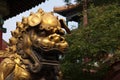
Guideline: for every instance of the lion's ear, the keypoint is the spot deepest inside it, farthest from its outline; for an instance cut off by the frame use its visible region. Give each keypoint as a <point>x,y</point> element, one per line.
<point>63,25</point>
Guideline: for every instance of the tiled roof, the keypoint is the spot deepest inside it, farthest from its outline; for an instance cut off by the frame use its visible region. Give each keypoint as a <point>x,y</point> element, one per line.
<point>64,10</point>
<point>19,6</point>
<point>71,12</point>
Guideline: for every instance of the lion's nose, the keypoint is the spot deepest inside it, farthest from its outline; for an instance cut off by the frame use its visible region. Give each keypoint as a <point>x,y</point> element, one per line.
<point>56,39</point>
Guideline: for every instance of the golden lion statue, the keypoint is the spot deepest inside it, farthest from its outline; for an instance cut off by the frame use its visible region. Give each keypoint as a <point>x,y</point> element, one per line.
<point>34,48</point>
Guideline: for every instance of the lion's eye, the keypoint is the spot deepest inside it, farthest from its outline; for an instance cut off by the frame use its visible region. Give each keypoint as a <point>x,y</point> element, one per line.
<point>41,27</point>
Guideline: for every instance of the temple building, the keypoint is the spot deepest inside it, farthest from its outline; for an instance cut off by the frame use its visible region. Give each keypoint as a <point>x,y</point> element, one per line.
<point>71,12</point>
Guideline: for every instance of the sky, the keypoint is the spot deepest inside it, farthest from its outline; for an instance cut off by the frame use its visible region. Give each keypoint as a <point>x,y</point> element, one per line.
<point>47,6</point>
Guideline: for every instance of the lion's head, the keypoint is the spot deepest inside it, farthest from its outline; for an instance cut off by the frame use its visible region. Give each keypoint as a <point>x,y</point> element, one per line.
<point>38,37</point>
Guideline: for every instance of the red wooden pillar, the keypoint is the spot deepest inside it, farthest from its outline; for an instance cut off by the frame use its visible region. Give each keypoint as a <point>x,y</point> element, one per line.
<point>1,31</point>
<point>0,39</point>
<point>85,16</point>
<point>0,43</point>
<point>1,24</point>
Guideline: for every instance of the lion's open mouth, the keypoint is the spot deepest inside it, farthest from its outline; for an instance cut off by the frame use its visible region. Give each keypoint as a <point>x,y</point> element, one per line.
<point>50,57</point>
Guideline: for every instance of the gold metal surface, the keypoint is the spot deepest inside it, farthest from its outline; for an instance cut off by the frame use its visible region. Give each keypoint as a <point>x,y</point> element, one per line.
<point>39,33</point>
